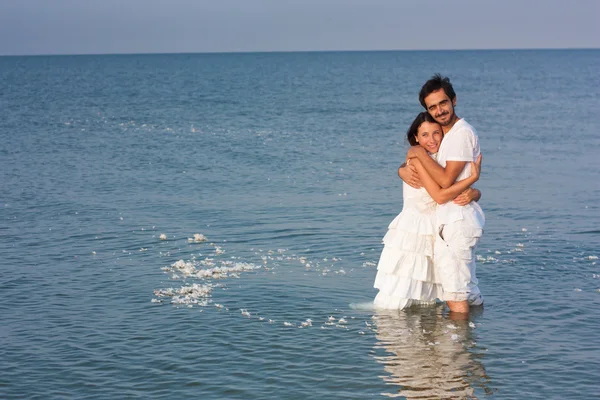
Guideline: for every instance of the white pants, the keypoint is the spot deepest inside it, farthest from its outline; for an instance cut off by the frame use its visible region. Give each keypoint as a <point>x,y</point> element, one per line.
<point>454,259</point>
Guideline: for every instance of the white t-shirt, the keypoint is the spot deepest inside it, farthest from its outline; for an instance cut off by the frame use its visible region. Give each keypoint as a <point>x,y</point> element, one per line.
<point>460,144</point>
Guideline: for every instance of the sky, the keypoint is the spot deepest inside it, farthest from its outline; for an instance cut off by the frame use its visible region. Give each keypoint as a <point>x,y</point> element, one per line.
<point>33,27</point>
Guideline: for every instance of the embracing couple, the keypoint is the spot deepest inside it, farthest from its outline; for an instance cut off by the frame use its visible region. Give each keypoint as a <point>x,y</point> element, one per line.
<point>428,250</point>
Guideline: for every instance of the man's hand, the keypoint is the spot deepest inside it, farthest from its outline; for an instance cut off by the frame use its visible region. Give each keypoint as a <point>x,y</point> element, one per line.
<point>408,173</point>
<point>413,152</point>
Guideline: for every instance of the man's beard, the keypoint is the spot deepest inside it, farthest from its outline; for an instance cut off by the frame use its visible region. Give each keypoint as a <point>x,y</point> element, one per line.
<point>447,122</point>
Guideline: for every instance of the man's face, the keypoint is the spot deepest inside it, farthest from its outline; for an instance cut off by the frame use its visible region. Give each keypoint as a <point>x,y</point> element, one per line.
<point>440,107</point>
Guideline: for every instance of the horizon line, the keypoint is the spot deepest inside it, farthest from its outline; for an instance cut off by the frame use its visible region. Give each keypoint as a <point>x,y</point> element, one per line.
<point>296,51</point>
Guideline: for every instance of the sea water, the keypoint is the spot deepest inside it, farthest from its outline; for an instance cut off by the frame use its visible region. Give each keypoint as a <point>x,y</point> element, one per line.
<point>200,225</point>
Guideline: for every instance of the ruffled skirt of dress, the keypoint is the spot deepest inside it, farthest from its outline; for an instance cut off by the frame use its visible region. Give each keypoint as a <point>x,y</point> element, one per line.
<point>405,272</point>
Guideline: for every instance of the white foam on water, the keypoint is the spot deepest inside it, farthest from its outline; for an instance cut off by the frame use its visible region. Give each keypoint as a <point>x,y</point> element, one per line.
<point>194,294</point>
<point>486,260</point>
<point>212,268</point>
<point>198,238</point>
<point>306,323</point>
<point>189,270</point>
<point>366,306</point>
<point>198,294</point>
<point>369,264</point>
<point>219,250</point>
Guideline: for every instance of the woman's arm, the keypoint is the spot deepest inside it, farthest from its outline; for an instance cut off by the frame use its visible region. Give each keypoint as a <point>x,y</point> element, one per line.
<point>444,195</point>
<point>469,195</point>
<point>445,177</point>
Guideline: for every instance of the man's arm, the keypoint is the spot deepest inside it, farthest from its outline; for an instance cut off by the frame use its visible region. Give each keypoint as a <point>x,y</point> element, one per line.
<point>444,177</point>
<point>408,174</point>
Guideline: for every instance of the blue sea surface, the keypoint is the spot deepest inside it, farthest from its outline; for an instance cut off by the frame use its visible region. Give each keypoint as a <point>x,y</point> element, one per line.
<point>286,164</point>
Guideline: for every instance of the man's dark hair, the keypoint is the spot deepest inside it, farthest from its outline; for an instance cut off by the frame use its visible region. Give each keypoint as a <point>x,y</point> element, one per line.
<point>411,134</point>
<point>436,83</point>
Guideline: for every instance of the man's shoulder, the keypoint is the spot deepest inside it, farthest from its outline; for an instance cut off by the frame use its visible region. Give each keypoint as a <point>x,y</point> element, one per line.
<point>460,140</point>
<point>461,132</point>
<point>465,127</point>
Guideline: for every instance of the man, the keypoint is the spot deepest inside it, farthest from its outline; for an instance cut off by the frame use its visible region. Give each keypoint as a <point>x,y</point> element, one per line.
<point>459,227</point>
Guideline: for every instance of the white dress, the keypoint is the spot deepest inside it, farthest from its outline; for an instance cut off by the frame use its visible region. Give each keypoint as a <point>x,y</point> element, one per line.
<point>405,272</point>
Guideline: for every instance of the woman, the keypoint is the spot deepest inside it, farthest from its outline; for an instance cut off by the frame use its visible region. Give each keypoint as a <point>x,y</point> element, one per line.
<point>405,273</point>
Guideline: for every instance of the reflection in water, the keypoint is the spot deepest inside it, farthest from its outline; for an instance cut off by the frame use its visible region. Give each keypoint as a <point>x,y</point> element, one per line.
<point>428,355</point>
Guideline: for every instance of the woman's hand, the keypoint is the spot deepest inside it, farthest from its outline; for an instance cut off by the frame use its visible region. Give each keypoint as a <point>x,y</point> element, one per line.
<point>476,167</point>
<point>467,197</point>
<point>471,194</point>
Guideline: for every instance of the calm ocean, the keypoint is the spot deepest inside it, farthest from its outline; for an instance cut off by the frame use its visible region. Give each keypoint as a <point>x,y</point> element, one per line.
<point>115,169</point>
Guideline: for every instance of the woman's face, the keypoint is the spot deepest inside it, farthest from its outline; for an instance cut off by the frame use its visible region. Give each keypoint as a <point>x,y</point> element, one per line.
<point>429,136</point>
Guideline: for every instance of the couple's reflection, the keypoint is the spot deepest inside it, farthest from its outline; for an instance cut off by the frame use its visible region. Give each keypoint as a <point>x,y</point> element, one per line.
<point>428,355</point>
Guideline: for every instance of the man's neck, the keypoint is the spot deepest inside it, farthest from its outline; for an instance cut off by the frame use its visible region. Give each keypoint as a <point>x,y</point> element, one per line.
<point>446,128</point>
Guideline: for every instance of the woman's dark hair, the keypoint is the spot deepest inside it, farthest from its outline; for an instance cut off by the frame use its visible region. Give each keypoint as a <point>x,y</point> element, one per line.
<point>436,83</point>
<point>411,134</point>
